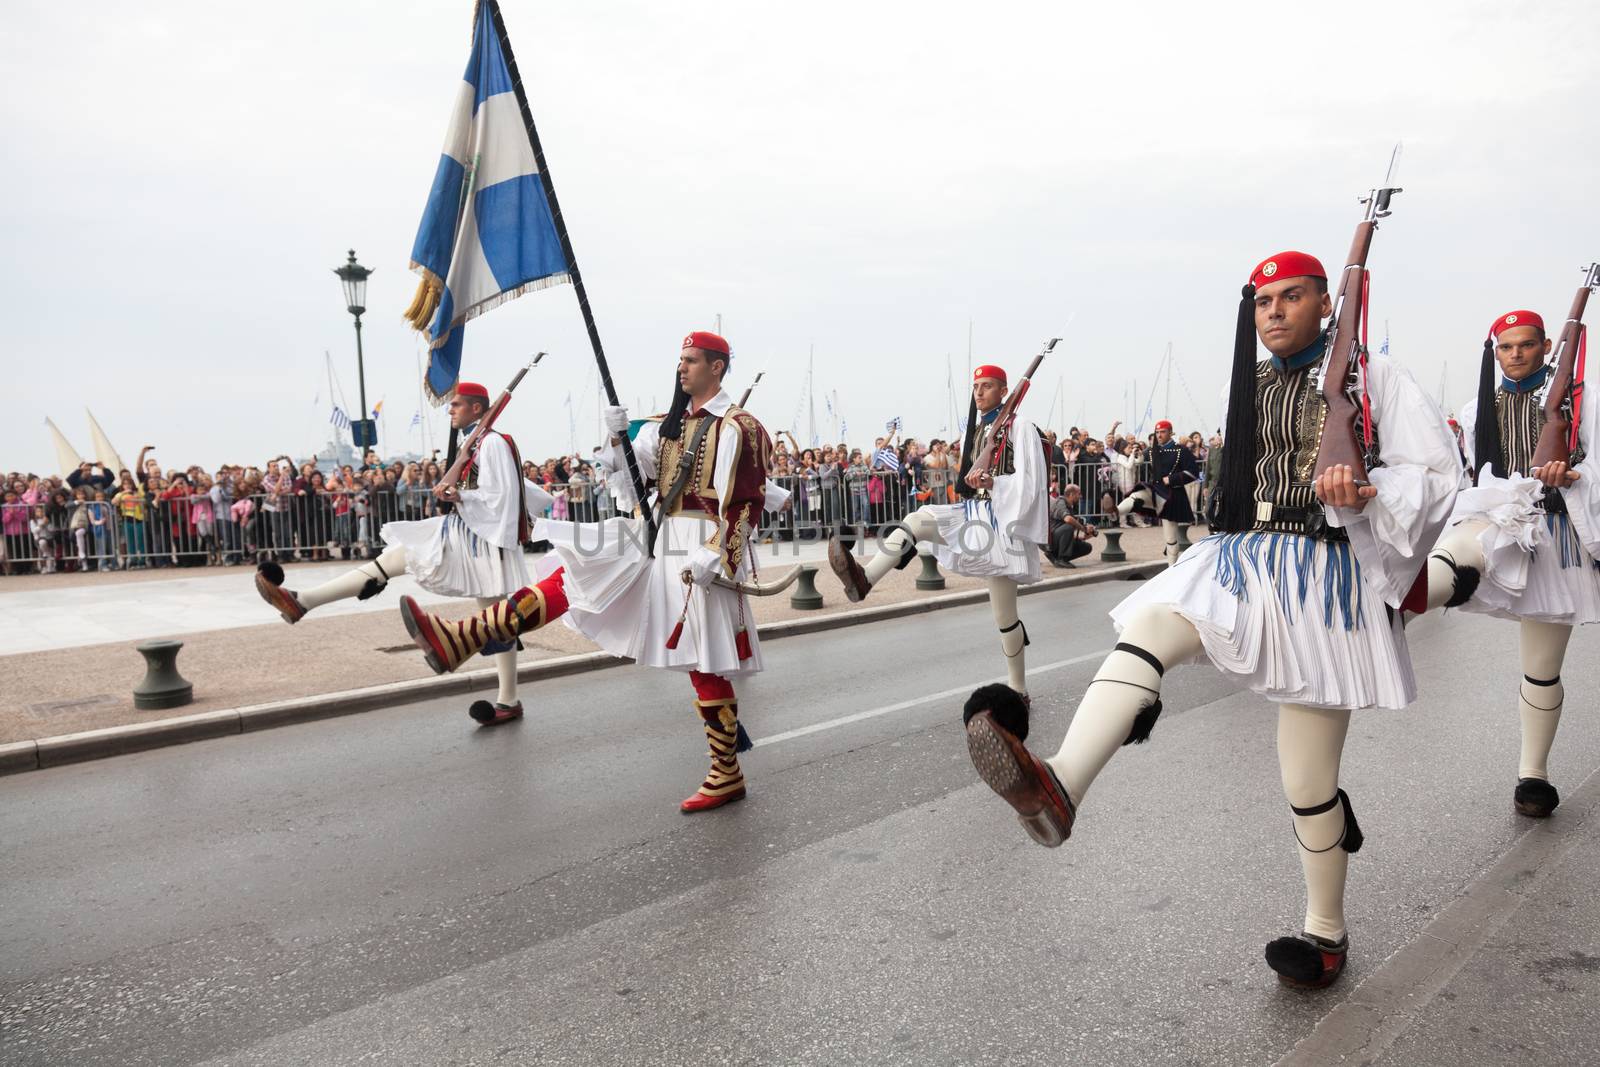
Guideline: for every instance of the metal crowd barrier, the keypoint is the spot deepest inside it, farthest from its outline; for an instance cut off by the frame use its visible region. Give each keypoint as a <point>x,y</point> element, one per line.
<point>345,524</point>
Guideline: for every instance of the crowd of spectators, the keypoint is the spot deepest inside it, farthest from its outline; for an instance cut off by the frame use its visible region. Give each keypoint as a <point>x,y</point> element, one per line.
<point>281,510</point>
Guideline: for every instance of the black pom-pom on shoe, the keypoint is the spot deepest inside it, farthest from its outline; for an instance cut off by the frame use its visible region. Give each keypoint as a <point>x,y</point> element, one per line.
<point>271,571</point>
<point>486,714</point>
<point>1307,961</point>
<point>1009,708</point>
<point>1535,798</point>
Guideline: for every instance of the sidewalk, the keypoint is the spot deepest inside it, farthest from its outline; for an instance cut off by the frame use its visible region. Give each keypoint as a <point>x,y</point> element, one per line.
<point>77,663</point>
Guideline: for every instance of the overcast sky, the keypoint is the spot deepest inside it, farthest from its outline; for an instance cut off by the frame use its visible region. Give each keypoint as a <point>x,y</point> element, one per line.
<point>862,178</point>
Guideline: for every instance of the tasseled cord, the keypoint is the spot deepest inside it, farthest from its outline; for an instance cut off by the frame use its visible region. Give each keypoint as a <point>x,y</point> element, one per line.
<point>742,742</point>
<point>1238,484</point>
<point>1486,434</point>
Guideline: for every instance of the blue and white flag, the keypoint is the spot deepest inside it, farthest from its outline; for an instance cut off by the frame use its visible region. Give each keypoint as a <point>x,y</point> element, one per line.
<point>889,458</point>
<point>339,418</point>
<point>487,233</point>
<point>892,425</point>
<point>416,420</point>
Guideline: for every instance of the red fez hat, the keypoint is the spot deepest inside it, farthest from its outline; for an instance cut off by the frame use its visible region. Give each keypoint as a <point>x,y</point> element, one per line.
<point>706,341</point>
<point>1287,265</point>
<point>989,370</point>
<point>1164,424</point>
<point>1516,318</point>
<point>471,389</point>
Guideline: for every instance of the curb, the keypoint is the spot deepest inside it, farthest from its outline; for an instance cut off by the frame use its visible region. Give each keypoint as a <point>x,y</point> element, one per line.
<point>19,756</point>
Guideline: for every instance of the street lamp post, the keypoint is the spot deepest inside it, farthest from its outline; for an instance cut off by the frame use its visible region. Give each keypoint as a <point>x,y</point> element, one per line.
<point>353,276</point>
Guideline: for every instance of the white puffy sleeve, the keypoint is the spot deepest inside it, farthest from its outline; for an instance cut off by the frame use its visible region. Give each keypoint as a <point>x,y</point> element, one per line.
<point>776,495</point>
<point>1021,500</point>
<point>539,502</point>
<point>1583,496</point>
<point>491,510</point>
<point>1416,484</point>
<point>645,449</point>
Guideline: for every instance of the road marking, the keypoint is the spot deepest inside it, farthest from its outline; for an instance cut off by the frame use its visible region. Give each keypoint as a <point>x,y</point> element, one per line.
<point>889,709</point>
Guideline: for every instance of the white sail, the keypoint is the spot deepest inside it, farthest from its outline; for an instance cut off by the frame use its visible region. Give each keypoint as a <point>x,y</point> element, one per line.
<point>67,457</point>
<point>104,454</point>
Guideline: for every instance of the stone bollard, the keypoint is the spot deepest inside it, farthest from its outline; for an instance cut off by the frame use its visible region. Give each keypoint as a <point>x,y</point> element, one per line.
<point>163,686</point>
<point>1183,538</point>
<point>1112,553</point>
<point>930,578</point>
<point>805,596</point>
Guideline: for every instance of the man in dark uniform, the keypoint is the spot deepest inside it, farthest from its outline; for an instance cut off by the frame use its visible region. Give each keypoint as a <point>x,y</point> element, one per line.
<point>1171,468</point>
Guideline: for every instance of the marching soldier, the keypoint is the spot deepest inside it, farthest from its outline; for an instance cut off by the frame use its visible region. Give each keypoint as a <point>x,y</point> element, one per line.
<point>1296,600</point>
<point>707,459</point>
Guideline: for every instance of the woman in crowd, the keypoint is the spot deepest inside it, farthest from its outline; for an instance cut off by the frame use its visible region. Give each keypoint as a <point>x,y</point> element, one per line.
<point>319,542</point>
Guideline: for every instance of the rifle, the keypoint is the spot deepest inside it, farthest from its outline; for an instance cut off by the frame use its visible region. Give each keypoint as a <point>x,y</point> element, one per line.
<point>745,399</point>
<point>1347,347</point>
<point>988,456</point>
<point>453,475</point>
<point>1557,443</point>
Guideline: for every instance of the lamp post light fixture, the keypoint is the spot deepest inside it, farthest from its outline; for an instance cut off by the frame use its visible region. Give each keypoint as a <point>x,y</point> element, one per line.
<point>353,276</point>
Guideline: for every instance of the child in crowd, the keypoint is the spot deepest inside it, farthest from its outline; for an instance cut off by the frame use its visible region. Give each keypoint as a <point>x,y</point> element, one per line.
<point>43,540</point>
<point>79,524</point>
<point>100,527</point>
<point>202,517</point>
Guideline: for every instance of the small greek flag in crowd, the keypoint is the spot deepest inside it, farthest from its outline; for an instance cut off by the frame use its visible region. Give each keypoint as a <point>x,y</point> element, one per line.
<point>1383,349</point>
<point>487,233</point>
<point>892,425</point>
<point>888,458</point>
<point>339,418</point>
<point>844,430</point>
<point>961,426</point>
<point>416,420</point>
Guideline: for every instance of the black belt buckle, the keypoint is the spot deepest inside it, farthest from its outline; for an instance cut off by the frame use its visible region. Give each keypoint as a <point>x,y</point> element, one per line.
<point>1316,522</point>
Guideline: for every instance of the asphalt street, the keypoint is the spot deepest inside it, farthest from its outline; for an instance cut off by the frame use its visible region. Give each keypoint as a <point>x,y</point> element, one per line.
<point>400,887</point>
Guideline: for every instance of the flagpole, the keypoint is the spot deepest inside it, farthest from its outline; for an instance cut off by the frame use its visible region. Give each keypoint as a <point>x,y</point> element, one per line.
<point>572,260</point>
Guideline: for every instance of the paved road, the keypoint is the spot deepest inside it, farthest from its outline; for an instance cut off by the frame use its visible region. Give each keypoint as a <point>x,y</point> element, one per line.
<point>396,887</point>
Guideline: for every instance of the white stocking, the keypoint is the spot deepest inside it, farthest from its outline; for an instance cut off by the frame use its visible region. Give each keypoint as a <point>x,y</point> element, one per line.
<point>1138,496</point>
<point>1310,742</point>
<point>1013,637</point>
<point>1126,684</point>
<point>921,526</point>
<point>1169,533</point>
<point>350,583</point>
<point>505,663</point>
<point>1460,545</point>
<point>1544,646</point>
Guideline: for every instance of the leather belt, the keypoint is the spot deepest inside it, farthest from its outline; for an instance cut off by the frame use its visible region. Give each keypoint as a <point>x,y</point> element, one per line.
<point>1311,521</point>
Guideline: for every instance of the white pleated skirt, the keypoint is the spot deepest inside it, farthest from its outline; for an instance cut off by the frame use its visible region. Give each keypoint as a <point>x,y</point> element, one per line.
<point>628,603</point>
<point>447,558</point>
<point>1555,580</point>
<point>976,544</point>
<point>1291,617</point>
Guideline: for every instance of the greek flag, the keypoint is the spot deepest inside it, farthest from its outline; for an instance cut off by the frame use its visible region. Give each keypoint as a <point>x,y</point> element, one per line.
<point>889,458</point>
<point>892,425</point>
<point>339,418</point>
<point>416,420</point>
<point>487,234</point>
